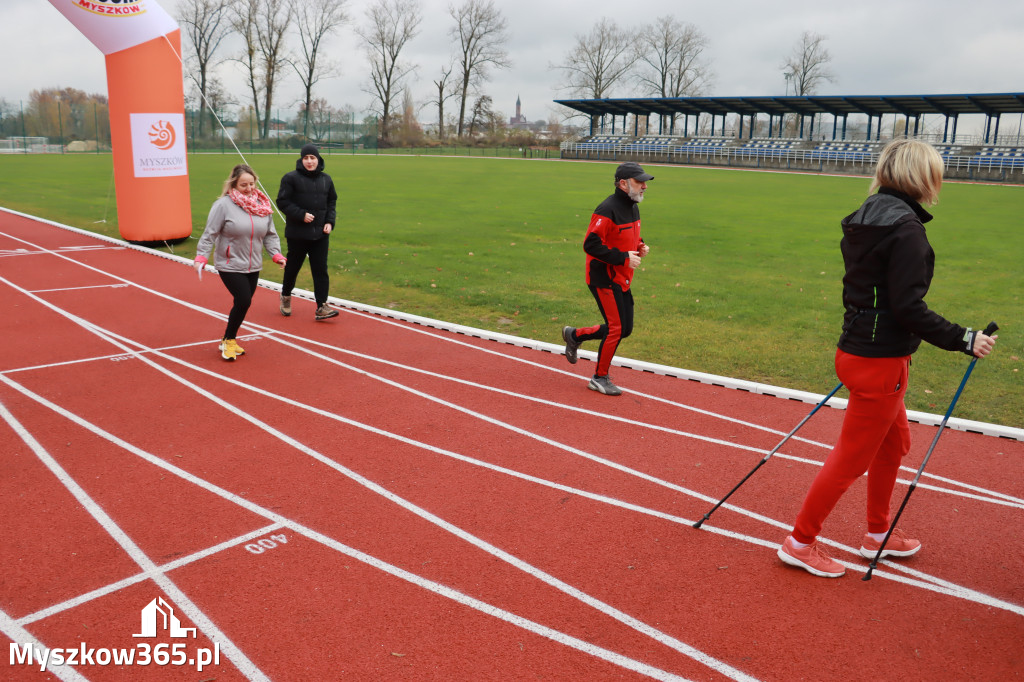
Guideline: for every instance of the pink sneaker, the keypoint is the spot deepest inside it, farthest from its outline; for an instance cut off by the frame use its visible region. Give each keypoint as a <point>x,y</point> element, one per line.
<point>899,545</point>
<point>811,558</point>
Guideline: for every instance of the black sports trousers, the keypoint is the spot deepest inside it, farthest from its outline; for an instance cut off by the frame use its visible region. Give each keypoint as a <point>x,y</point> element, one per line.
<point>316,249</point>
<point>241,286</point>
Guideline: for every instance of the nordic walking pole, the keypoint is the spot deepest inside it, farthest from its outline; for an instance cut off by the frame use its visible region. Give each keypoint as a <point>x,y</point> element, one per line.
<point>989,331</point>
<point>769,455</point>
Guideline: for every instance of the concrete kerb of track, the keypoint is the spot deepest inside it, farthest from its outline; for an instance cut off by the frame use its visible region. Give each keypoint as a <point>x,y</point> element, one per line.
<point>924,418</point>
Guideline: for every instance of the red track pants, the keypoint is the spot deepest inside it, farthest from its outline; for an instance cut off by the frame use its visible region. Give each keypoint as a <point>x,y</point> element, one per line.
<point>874,438</point>
<point>616,308</point>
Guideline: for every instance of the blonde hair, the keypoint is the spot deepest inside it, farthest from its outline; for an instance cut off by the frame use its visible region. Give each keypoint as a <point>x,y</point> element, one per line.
<point>236,173</point>
<point>911,167</point>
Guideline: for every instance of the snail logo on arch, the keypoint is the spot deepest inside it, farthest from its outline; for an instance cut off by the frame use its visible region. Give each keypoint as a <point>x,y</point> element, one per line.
<point>117,8</point>
<point>157,148</point>
<point>161,135</point>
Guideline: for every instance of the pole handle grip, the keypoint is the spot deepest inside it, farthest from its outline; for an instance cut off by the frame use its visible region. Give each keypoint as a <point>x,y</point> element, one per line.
<point>991,329</point>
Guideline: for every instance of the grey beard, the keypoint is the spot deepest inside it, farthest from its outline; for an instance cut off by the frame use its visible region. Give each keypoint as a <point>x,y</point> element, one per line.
<point>636,196</point>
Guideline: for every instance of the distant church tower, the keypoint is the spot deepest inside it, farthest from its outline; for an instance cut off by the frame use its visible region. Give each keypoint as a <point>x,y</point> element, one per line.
<point>518,121</point>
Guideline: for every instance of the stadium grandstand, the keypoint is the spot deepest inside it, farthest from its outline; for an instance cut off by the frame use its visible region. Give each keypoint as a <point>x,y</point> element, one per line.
<point>811,133</point>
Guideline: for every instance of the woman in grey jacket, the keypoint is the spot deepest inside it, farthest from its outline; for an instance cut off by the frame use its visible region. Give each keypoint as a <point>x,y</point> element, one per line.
<point>240,226</point>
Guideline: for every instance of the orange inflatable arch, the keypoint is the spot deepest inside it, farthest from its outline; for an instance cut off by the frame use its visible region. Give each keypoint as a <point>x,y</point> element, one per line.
<point>141,43</point>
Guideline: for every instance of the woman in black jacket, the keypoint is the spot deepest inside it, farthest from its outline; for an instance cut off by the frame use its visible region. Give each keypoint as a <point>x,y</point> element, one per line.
<point>889,266</point>
<point>308,201</point>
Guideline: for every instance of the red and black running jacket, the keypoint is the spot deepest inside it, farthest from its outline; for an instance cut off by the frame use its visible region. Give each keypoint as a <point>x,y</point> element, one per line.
<point>614,231</point>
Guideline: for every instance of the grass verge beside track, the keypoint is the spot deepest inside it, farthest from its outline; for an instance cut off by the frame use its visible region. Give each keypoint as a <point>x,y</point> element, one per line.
<point>743,278</point>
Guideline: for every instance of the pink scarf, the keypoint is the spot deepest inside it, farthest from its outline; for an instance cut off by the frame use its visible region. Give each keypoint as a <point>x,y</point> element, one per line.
<point>257,203</point>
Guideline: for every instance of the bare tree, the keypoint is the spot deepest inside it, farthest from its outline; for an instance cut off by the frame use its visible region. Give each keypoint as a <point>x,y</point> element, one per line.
<point>598,60</point>
<point>243,22</point>
<point>446,89</point>
<point>670,56</point>
<point>217,99</point>
<point>480,30</point>
<point>8,118</point>
<point>262,25</point>
<point>205,26</point>
<point>408,130</point>
<point>481,114</point>
<point>275,19</point>
<point>807,66</point>
<point>391,24</point>
<point>315,20</point>
<point>321,118</point>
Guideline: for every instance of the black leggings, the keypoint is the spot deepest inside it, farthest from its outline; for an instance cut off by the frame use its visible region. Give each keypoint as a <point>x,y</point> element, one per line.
<point>316,249</point>
<point>242,286</point>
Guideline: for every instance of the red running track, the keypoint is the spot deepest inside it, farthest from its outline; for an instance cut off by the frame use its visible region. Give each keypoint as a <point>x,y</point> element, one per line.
<point>366,498</point>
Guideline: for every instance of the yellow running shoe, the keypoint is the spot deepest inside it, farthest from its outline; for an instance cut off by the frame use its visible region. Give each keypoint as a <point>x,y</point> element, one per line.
<point>238,349</point>
<point>229,350</point>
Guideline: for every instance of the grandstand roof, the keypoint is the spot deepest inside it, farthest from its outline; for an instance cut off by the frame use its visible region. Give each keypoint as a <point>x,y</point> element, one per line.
<point>837,105</point>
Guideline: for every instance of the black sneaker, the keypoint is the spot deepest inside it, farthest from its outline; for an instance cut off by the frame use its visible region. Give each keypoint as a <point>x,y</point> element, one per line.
<point>286,305</point>
<point>571,344</point>
<point>604,385</point>
<point>324,312</point>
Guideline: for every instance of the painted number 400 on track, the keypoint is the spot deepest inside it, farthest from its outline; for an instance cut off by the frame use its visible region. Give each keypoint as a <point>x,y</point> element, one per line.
<point>263,544</point>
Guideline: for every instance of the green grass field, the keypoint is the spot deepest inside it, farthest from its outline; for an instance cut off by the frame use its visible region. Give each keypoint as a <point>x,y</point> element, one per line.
<point>743,278</point>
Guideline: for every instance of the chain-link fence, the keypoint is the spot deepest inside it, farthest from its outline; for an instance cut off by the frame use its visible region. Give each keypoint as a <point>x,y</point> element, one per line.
<point>281,131</point>
<point>54,125</point>
<point>69,123</point>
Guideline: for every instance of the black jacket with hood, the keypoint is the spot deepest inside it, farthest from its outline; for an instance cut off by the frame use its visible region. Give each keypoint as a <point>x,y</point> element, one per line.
<point>889,267</point>
<point>303,192</point>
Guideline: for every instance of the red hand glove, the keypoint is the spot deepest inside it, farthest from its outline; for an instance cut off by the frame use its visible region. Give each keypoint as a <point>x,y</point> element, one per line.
<point>279,259</point>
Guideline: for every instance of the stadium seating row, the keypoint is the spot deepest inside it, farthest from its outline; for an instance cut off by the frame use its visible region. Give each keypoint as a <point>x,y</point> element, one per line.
<point>861,152</point>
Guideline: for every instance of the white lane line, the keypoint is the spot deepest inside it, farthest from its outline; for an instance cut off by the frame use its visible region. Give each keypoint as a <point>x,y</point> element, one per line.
<point>95,286</point>
<point>1014,502</point>
<point>409,506</point>
<point>511,559</point>
<point>924,581</point>
<point>111,335</point>
<point>954,423</point>
<point>447,339</point>
<point>20,635</point>
<point>47,252</point>
<point>221,316</point>
<point>141,577</point>
<point>1005,500</point>
<point>437,588</point>
<point>984,495</point>
<point>960,591</point>
<point>188,607</point>
<point>548,368</point>
<point>5,253</point>
<point>114,356</point>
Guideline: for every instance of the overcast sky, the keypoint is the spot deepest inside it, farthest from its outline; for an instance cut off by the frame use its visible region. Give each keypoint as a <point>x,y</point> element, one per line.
<point>877,47</point>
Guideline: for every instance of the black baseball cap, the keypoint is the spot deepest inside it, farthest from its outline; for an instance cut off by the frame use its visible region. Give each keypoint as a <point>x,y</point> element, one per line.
<point>632,169</point>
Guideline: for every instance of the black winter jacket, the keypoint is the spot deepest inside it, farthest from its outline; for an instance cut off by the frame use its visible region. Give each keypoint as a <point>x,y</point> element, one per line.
<point>304,192</point>
<point>889,267</point>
